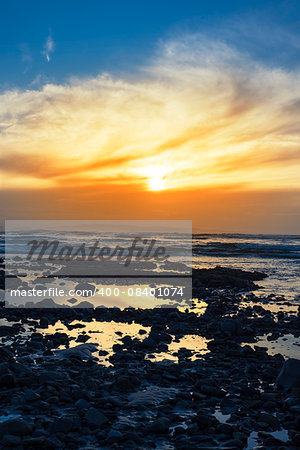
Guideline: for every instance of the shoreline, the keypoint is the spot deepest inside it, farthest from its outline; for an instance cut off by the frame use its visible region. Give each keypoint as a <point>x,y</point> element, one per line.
<point>132,378</point>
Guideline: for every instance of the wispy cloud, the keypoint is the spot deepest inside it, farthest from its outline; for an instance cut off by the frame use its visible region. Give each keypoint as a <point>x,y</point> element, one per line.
<point>26,56</point>
<point>49,47</point>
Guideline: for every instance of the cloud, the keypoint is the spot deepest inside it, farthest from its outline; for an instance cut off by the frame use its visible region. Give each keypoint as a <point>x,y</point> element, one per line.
<point>26,56</point>
<point>201,112</point>
<point>49,47</point>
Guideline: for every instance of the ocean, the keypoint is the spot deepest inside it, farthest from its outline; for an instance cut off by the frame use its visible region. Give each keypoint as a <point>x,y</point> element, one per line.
<point>276,255</point>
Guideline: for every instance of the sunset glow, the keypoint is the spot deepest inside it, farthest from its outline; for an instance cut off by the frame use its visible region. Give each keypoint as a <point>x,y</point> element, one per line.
<point>197,114</point>
<point>157,183</point>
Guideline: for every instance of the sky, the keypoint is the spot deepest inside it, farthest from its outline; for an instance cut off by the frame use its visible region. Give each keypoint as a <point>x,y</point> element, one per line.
<point>152,110</point>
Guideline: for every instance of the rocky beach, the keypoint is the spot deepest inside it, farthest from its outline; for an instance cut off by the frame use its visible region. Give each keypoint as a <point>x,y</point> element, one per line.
<point>224,373</point>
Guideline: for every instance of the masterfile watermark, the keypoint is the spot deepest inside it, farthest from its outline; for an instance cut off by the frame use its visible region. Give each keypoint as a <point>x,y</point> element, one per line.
<point>84,264</point>
<point>139,250</point>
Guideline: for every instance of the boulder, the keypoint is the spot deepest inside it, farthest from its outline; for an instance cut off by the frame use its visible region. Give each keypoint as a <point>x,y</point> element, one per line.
<point>95,417</point>
<point>231,327</point>
<point>15,427</point>
<point>289,376</point>
<point>159,426</point>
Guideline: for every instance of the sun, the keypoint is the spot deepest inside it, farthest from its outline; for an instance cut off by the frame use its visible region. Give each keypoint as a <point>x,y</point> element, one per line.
<point>157,183</point>
<point>155,176</point>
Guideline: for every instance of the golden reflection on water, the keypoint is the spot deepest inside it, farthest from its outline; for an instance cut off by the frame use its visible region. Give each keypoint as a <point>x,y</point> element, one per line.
<point>106,334</point>
<point>197,344</point>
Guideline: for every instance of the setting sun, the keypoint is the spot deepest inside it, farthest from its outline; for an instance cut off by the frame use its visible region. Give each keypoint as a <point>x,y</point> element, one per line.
<point>157,183</point>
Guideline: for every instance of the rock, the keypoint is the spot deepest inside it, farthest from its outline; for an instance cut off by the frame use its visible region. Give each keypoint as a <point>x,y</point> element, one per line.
<point>95,417</point>
<point>159,426</point>
<point>269,419</point>
<point>84,304</point>
<point>289,376</point>
<point>83,338</point>
<point>231,327</point>
<point>82,351</point>
<point>45,303</point>
<point>225,428</point>
<point>153,395</point>
<point>114,435</point>
<point>34,442</point>
<point>15,427</point>
<point>63,424</point>
<point>126,383</point>
<point>221,277</point>
<point>86,289</point>
<point>8,380</point>
<point>234,443</point>
<point>10,440</point>
<point>204,420</point>
<point>212,391</point>
<point>82,404</point>
<point>44,322</point>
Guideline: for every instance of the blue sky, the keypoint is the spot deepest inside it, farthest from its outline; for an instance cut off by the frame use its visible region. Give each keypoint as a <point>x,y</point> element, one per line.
<point>50,41</point>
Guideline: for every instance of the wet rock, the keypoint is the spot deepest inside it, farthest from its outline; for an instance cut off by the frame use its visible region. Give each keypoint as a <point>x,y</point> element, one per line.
<point>114,436</point>
<point>212,391</point>
<point>221,277</point>
<point>8,380</point>
<point>86,289</point>
<point>153,395</point>
<point>10,440</point>
<point>159,426</point>
<point>95,417</point>
<point>126,383</point>
<point>225,428</point>
<point>84,304</point>
<point>289,376</point>
<point>63,424</point>
<point>82,351</point>
<point>231,327</point>
<point>83,338</point>
<point>15,427</point>
<point>82,404</point>
<point>34,442</point>
<point>234,443</point>
<point>44,322</point>
<point>204,420</point>
<point>269,419</point>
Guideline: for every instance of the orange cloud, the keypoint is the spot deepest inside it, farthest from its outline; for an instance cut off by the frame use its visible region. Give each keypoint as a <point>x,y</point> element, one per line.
<point>199,115</point>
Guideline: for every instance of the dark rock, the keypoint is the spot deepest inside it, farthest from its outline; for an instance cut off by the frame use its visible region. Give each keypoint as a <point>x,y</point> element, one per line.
<point>87,289</point>
<point>63,424</point>
<point>231,327</point>
<point>159,426</point>
<point>15,427</point>
<point>234,443</point>
<point>269,419</point>
<point>82,404</point>
<point>83,338</point>
<point>95,417</point>
<point>221,277</point>
<point>10,440</point>
<point>114,436</point>
<point>8,380</point>
<point>44,322</point>
<point>204,420</point>
<point>289,376</point>
<point>212,391</point>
